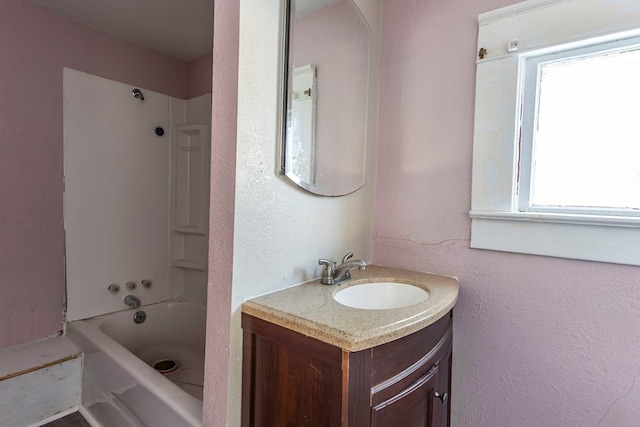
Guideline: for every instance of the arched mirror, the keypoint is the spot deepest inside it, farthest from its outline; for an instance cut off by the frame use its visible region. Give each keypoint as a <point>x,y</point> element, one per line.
<point>326,96</point>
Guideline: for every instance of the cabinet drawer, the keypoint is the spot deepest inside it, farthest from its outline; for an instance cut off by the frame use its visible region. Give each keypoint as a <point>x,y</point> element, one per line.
<point>432,357</point>
<point>388,360</point>
<point>413,406</point>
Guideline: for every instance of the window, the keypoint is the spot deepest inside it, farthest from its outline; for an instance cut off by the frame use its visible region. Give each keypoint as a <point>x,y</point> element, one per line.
<point>556,168</point>
<point>581,150</point>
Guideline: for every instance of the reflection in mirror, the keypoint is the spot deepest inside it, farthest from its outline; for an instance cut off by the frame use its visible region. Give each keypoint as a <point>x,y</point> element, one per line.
<point>327,73</point>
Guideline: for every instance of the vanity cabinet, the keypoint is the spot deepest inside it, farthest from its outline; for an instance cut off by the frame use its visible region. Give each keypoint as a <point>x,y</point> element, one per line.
<point>293,380</point>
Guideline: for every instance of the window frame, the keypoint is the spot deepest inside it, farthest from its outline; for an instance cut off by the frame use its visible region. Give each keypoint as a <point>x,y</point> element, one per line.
<point>509,36</point>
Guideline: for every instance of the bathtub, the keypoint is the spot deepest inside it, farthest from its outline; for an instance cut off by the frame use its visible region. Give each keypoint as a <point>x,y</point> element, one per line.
<point>120,386</point>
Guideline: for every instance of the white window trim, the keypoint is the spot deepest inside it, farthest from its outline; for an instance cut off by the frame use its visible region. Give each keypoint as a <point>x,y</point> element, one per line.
<point>497,224</point>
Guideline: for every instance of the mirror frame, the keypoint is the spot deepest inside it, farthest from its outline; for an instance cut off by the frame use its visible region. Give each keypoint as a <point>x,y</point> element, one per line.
<point>285,84</point>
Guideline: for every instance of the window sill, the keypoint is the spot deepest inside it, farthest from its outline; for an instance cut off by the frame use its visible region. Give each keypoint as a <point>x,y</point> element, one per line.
<point>574,236</point>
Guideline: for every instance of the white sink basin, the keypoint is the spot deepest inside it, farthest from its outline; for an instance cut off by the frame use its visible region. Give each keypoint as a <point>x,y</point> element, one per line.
<point>381,295</point>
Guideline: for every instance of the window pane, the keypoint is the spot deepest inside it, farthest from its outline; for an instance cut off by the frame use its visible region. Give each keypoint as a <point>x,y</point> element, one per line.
<point>587,141</point>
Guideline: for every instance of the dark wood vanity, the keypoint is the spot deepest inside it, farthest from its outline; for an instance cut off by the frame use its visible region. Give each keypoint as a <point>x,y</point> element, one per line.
<point>290,379</point>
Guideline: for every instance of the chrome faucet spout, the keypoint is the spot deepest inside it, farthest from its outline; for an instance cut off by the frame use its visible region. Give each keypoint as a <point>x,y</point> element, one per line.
<point>333,274</point>
<point>342,271</point>
<point>132,301</point>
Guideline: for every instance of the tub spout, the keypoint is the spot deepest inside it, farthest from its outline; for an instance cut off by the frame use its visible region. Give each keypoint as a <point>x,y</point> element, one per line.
<point>131,301</point>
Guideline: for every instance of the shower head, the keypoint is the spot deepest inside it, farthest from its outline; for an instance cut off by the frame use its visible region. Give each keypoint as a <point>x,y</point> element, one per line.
<point>137,93</point>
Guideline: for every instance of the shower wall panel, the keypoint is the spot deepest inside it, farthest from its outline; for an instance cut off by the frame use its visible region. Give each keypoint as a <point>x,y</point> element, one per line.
<point>116,203</point>
<point>190,197</point>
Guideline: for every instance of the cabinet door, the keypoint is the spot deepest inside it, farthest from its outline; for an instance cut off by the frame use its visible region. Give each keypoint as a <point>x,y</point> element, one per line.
<point>289,380</point>
<point>442,405</point>
<point>412,407</point>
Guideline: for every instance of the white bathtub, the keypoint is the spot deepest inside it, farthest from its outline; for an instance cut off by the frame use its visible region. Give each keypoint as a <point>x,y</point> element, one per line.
<point>120,388</point>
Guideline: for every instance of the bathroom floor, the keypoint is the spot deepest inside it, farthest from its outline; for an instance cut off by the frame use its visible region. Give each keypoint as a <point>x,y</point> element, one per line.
<point>71,420</point>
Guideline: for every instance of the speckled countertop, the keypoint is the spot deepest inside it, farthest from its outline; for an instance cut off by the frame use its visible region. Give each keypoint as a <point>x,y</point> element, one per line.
<point>310,309</point>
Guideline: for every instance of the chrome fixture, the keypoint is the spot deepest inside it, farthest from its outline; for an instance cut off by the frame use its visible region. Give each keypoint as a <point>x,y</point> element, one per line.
<point>444,397</point>
<point>333,274</point>
<point>146,284</point>
<point>139,317</point>
<point>113,288</point>
<point>137,93</point>
<point>131,285</point>
<point>131,301</point>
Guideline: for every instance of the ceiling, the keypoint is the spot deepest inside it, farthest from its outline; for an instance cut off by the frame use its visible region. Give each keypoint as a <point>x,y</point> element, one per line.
<point>180,28</point>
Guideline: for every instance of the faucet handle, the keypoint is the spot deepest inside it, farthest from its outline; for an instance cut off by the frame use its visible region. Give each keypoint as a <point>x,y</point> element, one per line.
<point>327,274</point>
<point>329,264</point>
<point>346,257</point>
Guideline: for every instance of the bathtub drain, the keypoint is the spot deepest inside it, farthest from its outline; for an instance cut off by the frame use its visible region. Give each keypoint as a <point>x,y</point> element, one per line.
<point>165,366</point>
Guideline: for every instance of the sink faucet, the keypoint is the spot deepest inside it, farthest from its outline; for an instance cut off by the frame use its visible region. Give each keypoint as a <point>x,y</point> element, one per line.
<point>333,274</point>
<point>131,301</point>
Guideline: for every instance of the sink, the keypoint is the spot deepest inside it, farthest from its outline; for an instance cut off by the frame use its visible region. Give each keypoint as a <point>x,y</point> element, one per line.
<point>381,295</point>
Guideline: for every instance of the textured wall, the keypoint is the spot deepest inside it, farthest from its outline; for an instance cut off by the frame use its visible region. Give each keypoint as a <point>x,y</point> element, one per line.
<point>36,45</point>
<point>280,230</point>
<point>537,341</point>
<point>223,175</point>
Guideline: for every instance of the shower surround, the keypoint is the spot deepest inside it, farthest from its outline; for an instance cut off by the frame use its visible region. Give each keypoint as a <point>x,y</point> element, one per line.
<point>136,216</point>
<point>136,186</point>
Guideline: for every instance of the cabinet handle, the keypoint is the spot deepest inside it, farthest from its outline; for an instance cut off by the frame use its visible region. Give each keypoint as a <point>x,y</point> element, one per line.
<point>444,397</point>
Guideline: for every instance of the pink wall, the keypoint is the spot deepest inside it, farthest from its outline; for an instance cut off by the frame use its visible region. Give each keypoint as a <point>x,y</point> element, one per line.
<point>36,45</point>
<point>221,212</point>
<point>537,341</point>
<point>199,76</point>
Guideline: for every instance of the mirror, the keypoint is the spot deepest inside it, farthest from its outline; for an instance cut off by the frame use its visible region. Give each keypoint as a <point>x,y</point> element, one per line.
<point>326,96</point>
